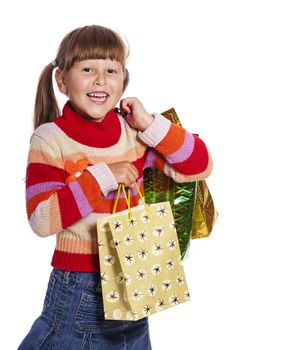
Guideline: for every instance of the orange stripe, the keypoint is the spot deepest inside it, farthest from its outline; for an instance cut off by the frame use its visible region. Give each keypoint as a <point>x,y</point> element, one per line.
<point>160,163</point>
<point>44,158</point>
<point>172,141</point>
<point>34,201</point>
<point>106,206</point>
<point>70,245</point>
<point>55,221</point>
<point>90,188</point>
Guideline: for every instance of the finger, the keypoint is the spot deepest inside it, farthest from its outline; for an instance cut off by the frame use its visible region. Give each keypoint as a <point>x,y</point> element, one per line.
<point>132,177</point>
<point>134,171</point>
<point>125,105</point>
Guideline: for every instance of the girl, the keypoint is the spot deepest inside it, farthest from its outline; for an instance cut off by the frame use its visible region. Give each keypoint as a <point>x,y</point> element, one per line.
<point>75,164</point>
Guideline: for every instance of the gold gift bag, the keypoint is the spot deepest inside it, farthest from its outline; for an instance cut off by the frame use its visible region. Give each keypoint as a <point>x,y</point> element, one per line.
<point>140,261</point>
<point>205,213</point>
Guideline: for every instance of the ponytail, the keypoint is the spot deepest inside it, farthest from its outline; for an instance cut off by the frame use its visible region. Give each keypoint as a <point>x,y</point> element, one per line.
<point>46,106</point>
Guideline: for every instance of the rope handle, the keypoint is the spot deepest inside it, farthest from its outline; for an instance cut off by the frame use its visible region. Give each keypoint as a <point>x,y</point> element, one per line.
<point>128,199</point>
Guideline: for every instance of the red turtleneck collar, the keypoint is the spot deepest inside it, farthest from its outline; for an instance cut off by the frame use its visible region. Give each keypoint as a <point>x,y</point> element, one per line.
<point>95,134</point>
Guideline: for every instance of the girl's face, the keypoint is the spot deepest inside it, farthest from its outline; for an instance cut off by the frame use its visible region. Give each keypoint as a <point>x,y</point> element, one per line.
<point>93,86</point>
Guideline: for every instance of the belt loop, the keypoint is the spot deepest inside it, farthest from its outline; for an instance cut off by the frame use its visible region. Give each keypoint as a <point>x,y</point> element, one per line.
<point>65,277</point>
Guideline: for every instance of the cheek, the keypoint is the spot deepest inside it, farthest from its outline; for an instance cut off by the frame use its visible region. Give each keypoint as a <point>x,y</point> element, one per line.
<point>118,86</point>
<point>76,87</point>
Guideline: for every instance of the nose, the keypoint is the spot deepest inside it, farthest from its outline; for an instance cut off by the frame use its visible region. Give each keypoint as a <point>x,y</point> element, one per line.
<point>100,80</point>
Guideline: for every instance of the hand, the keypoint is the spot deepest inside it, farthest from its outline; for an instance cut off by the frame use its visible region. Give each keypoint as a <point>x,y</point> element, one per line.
<point>137,117</point>
<point>124,172</point>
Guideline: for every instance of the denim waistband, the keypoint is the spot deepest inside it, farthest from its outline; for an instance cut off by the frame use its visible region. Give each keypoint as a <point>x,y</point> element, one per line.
<point>76,277</point>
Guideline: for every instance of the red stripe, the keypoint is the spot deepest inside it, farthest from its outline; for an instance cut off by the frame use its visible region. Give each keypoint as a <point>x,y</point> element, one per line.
<point>76,262</point>
<point>197,162</point>
<point>38,172</point>
<point>68,207</point>
<point>139,163</point>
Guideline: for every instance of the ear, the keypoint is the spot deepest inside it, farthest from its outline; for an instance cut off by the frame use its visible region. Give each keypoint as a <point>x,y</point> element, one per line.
<point>60,78</point>
<point>125,79</point>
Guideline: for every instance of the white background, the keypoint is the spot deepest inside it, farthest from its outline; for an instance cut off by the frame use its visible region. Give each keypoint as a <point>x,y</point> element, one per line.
<point>216,62</point>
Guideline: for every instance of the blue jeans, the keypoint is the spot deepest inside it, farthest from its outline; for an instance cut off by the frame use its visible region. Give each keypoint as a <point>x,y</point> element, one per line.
<point>73,319</point>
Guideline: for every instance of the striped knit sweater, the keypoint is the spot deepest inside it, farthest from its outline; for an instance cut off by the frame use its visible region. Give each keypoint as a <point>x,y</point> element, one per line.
<point>69,185</point>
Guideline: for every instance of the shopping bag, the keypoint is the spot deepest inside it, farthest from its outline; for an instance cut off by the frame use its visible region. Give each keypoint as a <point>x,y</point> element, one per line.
<point>140,262</point>
<point>191,202</point>
<point>205,213</point>
<point>159,187</point>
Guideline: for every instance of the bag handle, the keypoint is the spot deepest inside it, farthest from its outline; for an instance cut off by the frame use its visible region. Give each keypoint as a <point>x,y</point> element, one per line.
<point>128,199</point>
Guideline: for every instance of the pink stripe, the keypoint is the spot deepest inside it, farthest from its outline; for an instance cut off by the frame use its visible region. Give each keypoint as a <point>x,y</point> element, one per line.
<point>150,159</point>
<point>184,152</point>
<point>33,190</point>
<point>80,198</point>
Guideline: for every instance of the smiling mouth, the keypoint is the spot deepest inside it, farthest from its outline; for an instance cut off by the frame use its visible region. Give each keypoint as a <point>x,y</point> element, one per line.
<point>98,97</point>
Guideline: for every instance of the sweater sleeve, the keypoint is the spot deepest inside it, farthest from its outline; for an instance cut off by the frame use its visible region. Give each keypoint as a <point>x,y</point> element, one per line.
<point>52,204</point>
<point>176,152</point>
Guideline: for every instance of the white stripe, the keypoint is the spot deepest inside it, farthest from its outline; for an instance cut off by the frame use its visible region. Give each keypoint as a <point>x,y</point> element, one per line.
<point>156,131</point>
<point>104,177</point>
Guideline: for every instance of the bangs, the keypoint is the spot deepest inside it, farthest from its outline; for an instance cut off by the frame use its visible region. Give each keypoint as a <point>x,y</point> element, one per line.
<point>94,42</point>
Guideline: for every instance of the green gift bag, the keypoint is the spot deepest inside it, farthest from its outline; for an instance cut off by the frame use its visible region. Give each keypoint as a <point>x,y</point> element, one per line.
<point>140,261</point>
<point>191,202</point>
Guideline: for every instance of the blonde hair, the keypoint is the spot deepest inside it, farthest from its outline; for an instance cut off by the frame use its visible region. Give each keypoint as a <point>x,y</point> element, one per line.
<point>89,42</point>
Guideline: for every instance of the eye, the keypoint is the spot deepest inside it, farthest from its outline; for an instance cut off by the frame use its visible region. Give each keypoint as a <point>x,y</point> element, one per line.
<point>88,70</point>
<point>112,71</point>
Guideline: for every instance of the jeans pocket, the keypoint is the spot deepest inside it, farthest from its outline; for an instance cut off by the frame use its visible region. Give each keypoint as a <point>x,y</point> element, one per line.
<point>90,314</point>
<point>49,293</point>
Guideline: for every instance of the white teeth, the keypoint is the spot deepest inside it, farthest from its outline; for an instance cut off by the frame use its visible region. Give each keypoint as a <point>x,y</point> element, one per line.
<point>97,94</point>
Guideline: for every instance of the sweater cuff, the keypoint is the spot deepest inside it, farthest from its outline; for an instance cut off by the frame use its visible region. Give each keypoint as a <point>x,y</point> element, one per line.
<point>104,177</point>
<point>156,131</point>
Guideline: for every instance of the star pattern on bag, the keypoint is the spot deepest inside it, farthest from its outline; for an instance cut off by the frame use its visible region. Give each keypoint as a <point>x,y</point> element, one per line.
<point>174,299</point>
<point>157,249</point>
<point>112,296</point>
<point>100,243</point>
<point>145,218</point>
<point>142,254</point>
<point>116,243</point>
<point>158,231</point>
<point>171,244</point>
<point>109,260</point>
<point>137,294</point>
<point>179,280</point>
<point>132,315</point>
<point>156,269</point>
<point>160,305</point>
<point>128,240</point>
<point>186,295</point>
<point>129,259</point>
<point>151,289</point>
<point>118,226</point>
<point>142,236</point>
<point>141,274</point>
<point>173,226</point>
<point>166,285</point>
<point>147,310</point>
<point>147,273</point>
<point>104,278</point>
<point>170,264</point>
<point>162,211</point>
<point>132,222</point>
